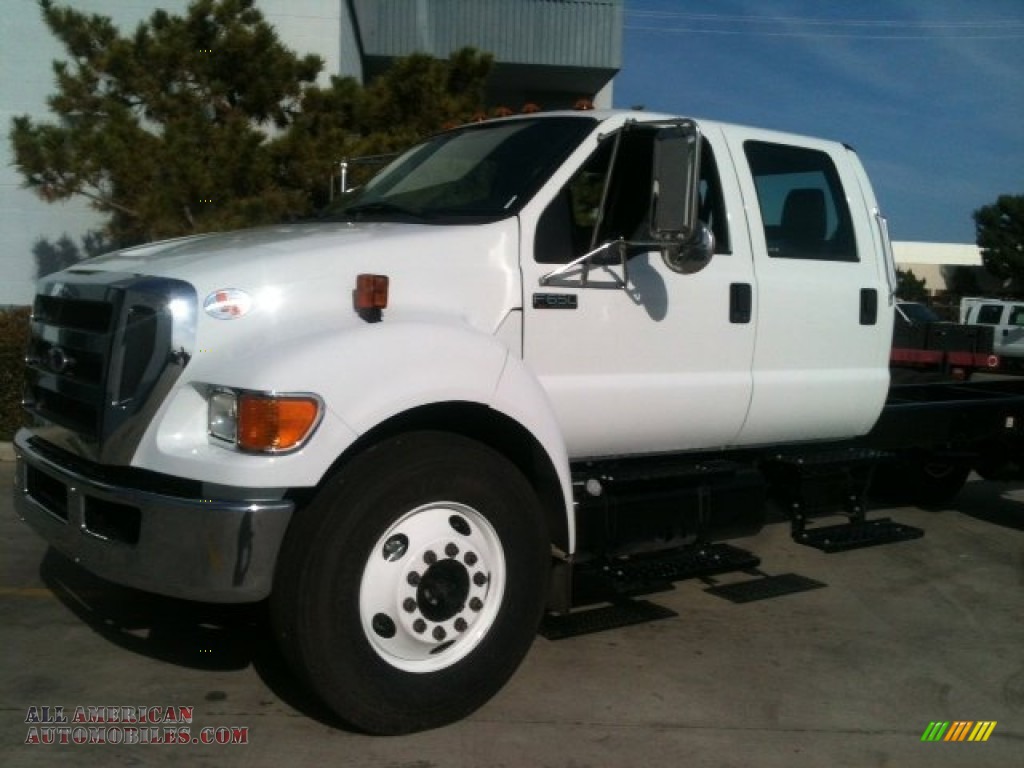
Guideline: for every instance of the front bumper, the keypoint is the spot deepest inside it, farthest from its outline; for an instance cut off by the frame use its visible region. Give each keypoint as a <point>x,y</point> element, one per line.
<point>212,550</point>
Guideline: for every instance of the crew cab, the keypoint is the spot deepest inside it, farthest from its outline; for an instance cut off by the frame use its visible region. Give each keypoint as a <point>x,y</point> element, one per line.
<point>526,348</point>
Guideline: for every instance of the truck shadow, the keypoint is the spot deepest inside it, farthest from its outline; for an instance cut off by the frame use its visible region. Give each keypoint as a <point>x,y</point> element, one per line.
<point>999,503</point>
<point>202,636</point>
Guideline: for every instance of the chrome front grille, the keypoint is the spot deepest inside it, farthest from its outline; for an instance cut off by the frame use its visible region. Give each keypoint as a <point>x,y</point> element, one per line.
<point>68,357</point>
<point>103,351</point>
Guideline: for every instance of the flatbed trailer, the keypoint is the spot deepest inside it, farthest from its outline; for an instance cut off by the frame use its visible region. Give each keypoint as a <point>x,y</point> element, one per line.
<point>908,364</point>
<point>953,412</point>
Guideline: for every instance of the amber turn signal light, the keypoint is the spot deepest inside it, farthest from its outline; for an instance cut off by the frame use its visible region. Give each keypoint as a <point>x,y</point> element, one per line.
<point>270,424</point>
<point>371,292</point>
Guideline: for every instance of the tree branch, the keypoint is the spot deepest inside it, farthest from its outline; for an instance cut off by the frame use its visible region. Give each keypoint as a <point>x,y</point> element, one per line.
<point>74,189</point>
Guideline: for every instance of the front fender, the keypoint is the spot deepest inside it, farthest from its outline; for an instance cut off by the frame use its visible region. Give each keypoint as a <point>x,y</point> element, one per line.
<point>365,375</point>
<point>426,364</point>
<point>520,396</point>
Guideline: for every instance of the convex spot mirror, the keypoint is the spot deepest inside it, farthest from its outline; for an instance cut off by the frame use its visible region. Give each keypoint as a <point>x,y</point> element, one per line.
<point>687,245</point>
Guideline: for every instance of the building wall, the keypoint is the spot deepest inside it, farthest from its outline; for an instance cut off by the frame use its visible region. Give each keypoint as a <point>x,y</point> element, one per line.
<point>938,264</point>
<point>550,52</point>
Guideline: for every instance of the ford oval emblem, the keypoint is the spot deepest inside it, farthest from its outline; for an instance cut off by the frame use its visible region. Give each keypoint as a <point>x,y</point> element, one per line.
<point>59,361</point>
<point>227,304</point>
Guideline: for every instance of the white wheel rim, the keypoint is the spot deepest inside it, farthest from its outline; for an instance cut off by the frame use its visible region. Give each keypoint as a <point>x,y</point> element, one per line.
<point>432,587</point>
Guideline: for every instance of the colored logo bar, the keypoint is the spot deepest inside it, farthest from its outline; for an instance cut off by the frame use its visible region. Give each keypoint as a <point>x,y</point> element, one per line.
<point>959,730</point>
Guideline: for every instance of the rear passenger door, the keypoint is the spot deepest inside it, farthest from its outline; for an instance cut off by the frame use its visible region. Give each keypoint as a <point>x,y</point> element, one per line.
<point>823,336</point>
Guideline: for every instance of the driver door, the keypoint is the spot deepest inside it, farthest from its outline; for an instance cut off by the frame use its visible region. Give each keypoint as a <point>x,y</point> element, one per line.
<point>641,359</point>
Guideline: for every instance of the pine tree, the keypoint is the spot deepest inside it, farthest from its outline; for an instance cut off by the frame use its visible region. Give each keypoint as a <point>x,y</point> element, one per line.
<point>206,121</point>
<point>166,130</point>
<point>1000,231</point>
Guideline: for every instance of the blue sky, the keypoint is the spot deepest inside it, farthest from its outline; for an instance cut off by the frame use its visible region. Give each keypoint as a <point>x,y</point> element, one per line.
<point>929,92</point>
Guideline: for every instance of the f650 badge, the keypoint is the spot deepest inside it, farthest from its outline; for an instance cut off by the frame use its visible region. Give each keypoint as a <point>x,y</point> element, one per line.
<point>555,301</point>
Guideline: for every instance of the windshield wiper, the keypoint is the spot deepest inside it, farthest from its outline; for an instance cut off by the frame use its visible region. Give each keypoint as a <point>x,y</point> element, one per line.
<point>381,206</point>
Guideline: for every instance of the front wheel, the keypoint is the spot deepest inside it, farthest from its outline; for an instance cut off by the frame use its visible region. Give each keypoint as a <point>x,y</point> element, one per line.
<point>410,589</point>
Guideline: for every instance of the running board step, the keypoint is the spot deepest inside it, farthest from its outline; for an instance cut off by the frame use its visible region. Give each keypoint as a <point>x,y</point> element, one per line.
<point>856,535</point>
<point>765,588</point>
<point>644,574</point>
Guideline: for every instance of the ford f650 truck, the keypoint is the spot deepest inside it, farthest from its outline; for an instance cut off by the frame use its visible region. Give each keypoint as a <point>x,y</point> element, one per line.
<point>526,351</point>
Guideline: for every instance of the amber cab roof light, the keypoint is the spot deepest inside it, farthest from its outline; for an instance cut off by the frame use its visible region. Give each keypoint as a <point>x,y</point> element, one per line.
<point>370,296</point>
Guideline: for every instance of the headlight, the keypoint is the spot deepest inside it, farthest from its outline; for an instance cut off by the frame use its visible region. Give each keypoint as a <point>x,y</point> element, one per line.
<point>223,416</point>
<point>262,422</point>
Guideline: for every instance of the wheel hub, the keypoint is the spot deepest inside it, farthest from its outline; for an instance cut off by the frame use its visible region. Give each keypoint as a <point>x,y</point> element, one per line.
<point>443,591</point>
<point>432,587</point>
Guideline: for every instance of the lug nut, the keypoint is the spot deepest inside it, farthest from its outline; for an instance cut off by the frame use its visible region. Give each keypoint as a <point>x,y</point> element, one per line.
<point>429,557</point>
<point>439,634</point>
<point>409,604</point>
<point>451,550</point>
<point>479,578</point>
<point>419,626</point>
<point>413,578</point>
<point>476,604</point>
<point>470,558</point>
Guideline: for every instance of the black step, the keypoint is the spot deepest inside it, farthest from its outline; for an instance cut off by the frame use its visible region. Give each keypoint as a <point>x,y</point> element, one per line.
<point>622,613</point>
<point>765,588</point>
<point>827,460</point>
<point>856,535</point>
<point>648,573</point>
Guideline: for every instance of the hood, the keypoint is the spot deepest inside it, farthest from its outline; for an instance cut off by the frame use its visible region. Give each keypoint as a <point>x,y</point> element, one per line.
<point>469,271</point>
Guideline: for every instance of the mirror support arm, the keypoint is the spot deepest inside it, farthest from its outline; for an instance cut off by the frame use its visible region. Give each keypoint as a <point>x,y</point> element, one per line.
<point>583,262</point>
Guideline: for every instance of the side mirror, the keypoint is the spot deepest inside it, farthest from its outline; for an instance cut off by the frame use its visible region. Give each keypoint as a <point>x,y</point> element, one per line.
<point>687,245</point>
<point>693,255</point>
<point>675,197</point>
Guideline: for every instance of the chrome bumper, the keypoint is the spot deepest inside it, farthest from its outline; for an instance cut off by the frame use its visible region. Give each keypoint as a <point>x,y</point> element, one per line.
<point>200,549</point>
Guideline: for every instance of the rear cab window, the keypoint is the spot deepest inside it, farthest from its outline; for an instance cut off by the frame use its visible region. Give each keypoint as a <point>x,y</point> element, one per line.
<point>802,203</point>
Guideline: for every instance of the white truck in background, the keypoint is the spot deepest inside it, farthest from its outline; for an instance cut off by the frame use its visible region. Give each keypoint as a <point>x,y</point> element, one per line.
<point>1006,318</point>
<point>527,350</point>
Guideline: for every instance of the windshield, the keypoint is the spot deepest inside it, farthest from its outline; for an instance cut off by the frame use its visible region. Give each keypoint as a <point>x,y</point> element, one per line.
<point>917,313</point>
<point>478,173</point>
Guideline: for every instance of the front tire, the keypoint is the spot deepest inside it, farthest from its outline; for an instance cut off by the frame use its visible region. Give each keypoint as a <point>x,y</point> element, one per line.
<point>411,588</point>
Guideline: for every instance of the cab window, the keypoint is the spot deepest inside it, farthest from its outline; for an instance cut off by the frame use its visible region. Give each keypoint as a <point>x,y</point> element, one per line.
<point>990,314</point>
<point>803,206</point>
<point>566,229</point>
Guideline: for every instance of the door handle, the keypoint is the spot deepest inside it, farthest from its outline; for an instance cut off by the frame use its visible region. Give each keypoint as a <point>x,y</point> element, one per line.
<point>868,306</point>
<point>741,302</point>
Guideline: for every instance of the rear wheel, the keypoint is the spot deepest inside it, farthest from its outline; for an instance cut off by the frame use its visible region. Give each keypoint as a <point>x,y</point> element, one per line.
<point>410,589</point>
<point>938,481</point>
<point>923,480</point>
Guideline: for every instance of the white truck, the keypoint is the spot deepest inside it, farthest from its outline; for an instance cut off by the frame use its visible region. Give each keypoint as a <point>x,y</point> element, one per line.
<point>527,349</point>
<point>1006,318</point>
